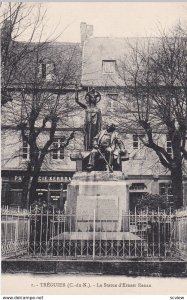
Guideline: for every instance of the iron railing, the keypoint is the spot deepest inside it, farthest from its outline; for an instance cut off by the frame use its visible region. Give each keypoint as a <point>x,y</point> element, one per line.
<point>49,232</point>
<point>180,232</point>
<point>15,232</point>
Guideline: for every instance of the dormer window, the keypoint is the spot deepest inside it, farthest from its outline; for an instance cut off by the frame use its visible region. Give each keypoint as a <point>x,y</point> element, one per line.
<point>109,66</point>
<point>46,70</point>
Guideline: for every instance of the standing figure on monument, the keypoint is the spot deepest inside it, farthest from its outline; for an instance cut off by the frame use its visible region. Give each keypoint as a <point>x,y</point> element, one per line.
<point>93,117</point>
<point>92,98</point>
<point>108,147</point>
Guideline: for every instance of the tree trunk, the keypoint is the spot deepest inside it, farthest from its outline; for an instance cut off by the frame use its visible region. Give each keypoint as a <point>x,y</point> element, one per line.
<point>25,191</point>
<point>32,193</point>
<point>29,184</point>
<point>34,182</point>
<point>177,186</point>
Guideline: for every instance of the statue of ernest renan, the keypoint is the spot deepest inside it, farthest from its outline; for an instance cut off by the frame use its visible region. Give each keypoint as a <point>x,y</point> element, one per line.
<point>107,152</point>
<point>104,149</point>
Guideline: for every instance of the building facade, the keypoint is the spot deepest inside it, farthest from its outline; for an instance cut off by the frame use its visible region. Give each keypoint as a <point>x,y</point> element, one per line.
<point>47,71</point>
<point>97,61</point>
<point>103,59</point>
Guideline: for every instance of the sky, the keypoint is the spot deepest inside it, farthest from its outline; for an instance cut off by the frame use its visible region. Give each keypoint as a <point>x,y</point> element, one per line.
<point>113,19</point>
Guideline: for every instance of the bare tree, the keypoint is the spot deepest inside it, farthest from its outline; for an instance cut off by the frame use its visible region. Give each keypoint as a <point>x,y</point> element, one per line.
<point>36,82</point>
<point>155,79</point>
<point>16,20</point>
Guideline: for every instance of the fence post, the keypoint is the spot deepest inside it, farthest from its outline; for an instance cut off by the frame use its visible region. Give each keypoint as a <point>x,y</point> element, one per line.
<point>94,234</point>
<point>28,230</point>
<point>16,231</point>
<point>136,228</point>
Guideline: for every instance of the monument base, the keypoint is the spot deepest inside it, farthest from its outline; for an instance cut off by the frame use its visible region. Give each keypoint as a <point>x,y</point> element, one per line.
<point>97,244</point>
<point>98,201</point>
<point>97,220</point>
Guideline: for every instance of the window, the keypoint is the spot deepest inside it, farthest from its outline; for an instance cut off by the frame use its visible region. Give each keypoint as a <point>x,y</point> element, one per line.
<point>137,186</point>
<point>46,71</point>
<point>168,145</point>
<point>113,97</point>
<point>58,148</point>
<point>166,190</point>
<point>109,66</point>
<point>25,150</point>
<point>136,142</point>
<point>138,147</point>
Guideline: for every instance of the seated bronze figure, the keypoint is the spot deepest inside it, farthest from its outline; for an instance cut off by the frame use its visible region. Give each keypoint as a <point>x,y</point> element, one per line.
<point>107,152</point>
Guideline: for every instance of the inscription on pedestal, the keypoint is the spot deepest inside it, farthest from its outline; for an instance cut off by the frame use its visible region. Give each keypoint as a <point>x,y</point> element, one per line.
<point>106,213</point>
<point>106,208</point>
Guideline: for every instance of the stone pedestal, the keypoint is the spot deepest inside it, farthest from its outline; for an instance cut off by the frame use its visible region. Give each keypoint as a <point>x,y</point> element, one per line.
<point>99,200</point>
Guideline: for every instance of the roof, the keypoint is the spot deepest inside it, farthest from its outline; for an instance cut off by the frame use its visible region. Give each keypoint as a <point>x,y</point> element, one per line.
<point>98,49</point>
<point>65,56</point>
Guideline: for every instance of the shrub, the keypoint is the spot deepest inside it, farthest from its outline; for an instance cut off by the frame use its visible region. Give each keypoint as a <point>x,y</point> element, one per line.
<point>152,202</point>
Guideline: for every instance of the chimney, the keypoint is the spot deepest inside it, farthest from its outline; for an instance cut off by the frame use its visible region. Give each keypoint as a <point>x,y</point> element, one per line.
<point>86,32</point>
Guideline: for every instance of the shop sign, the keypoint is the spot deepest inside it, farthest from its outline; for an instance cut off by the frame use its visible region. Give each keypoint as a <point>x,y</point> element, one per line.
<point>54,178</point>
<point>55,198</point>
<point>47,178</point>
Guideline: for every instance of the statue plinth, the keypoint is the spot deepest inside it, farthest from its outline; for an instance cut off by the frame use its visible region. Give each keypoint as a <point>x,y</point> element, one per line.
<point>99,197</point>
